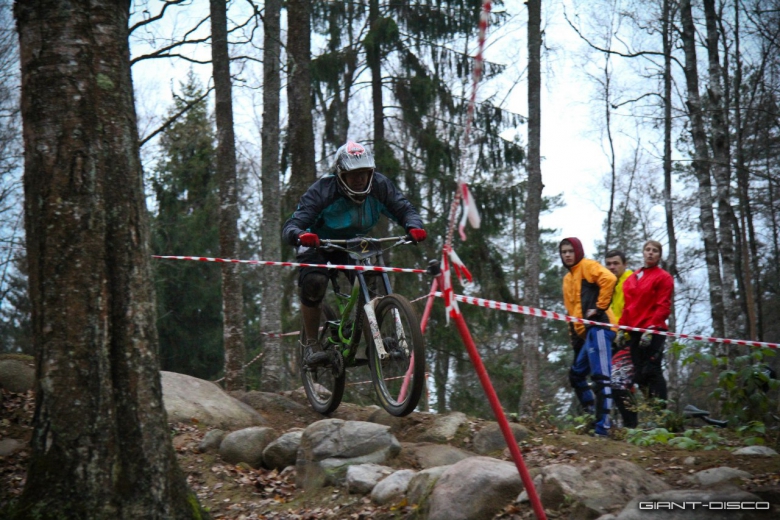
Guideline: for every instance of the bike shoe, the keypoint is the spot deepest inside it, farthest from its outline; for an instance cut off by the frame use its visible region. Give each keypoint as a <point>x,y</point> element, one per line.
<point>314,357</point>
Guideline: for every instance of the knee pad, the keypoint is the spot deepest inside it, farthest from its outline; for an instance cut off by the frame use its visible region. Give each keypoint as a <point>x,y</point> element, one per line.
<point>313,287</point>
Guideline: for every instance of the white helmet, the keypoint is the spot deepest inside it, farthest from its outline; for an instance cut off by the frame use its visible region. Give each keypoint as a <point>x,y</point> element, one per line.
<point>350,157</point>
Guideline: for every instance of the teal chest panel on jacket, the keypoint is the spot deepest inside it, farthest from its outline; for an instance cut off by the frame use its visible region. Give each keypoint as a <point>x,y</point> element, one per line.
<point>344,219</point>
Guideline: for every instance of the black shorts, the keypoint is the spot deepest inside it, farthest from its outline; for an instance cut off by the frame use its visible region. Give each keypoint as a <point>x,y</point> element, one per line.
<point>310,255</point>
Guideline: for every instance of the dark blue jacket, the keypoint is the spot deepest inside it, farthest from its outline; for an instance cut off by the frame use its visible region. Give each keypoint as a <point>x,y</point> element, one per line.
<point>326,211</point>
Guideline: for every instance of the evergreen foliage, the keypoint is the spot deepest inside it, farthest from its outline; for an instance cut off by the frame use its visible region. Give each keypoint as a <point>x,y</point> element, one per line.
<point>186,222</point>
<point>15,325</point>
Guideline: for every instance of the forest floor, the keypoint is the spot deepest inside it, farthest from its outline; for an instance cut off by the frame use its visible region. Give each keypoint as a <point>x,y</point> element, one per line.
<point>241,492</point>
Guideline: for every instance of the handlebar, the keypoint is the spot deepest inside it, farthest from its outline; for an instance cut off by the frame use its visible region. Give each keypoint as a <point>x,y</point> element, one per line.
<point>398,239</point>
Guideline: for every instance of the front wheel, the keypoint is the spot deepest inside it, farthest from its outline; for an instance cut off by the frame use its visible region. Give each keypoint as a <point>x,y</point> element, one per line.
<point>324,385</point>
<point>400,377</point>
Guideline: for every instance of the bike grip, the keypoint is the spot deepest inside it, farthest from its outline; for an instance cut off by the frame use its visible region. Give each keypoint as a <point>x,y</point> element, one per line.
<point>417,234</point>
<point>309,240</point>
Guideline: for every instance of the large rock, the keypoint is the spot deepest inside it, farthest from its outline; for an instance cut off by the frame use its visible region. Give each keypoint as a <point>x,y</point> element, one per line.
<point>717,476</point>
<point>594,488</point>
<point>268,402</point>
<point>429,455</point>
<point>246,445</point>
<point>761,451</point>
<point>444,428</point>
<point>361,478</point>
<point>283,451</point>
<point>188,398</point>
<point>17,372</point>
<point>211,441</point>
<point>660,505</point>
<point>330,446</point>
<point>10,446</point>
<point>474,489</point>
<point>421,486</point>
<point>490,438</point>
<point>380,416</point>
<point>392,488</point>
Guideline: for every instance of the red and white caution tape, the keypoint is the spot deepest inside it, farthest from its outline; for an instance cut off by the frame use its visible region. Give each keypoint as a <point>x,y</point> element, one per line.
<point>470,213</point>
<point>258,356</point>
<point>532,311</point>
<point>446,282</point>
<point>279,334</point>
<point>377,268</point>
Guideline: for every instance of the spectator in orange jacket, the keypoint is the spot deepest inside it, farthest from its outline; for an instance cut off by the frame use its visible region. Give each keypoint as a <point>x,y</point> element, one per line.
<point>587,293</point>
<point>648,303</point>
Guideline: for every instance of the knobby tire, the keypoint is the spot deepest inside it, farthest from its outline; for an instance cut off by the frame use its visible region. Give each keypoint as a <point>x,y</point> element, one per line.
<point>389,375</point>
<point>324,389</point>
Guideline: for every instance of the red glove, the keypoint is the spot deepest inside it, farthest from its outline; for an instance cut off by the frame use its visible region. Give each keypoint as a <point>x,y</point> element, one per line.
<point>309,239</point>
<point>418,235</point>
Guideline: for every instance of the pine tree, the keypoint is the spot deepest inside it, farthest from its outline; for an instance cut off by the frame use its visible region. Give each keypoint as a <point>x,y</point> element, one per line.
<point>15,325</point>
<point>186,223</point>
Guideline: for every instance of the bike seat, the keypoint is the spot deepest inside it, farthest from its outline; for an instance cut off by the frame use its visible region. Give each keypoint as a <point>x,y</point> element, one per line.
<point>692,411</point>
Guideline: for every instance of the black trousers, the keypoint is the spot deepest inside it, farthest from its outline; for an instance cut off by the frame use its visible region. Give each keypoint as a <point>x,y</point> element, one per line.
<point>648,369</point>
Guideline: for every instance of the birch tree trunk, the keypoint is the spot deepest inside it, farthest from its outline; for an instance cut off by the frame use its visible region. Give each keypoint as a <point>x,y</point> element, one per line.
<point>702,170</point>
<point>721,170</point>
<point>273,376</point>
<point>101,447</point>
<point>750,263</point>
<point>532,209</point>
<point>232,292</point>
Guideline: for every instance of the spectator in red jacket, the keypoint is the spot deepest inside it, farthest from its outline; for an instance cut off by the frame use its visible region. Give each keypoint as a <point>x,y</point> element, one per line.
<point>648,295</point>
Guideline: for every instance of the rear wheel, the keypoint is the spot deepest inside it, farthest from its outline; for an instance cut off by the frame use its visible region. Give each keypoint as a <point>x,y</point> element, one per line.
<point>324,385</point>
<point>400,377</point>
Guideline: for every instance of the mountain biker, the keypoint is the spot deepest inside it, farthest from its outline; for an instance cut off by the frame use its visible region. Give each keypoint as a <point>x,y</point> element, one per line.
<point>587,293</point>
<point>344,204</point>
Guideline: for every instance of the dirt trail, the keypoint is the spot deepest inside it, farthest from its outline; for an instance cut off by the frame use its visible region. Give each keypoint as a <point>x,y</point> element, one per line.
<point>241,492</point>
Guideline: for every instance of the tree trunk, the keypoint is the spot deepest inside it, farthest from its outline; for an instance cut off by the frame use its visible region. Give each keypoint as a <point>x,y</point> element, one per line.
<point>701,170</point>
<point>273,377</point>
<point>749,262</point>
<point>374,59</point>
<point>721,170</point>
<point>441,375</point>
<point>232,292</point>
<point>532,209</point>
<point>612,170</point>
<point>671,255</point>
<point>101,446</point>
<point>300,133</point>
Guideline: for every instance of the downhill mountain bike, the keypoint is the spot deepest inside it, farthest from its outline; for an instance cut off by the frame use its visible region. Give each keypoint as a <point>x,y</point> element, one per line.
<point>387,323</point>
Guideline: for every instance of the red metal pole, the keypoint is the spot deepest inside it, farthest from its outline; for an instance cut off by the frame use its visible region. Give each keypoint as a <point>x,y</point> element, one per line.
<point>471,348</point>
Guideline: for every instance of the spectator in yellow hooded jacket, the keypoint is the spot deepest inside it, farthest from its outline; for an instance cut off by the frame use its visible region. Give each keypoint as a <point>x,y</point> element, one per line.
<point>587,293</point>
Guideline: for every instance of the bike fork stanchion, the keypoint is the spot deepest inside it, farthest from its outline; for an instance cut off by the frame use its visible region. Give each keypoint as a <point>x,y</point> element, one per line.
<point>423,323</point>
<point>471,348</point>
<point>407,376</point>
<point>429,305</point>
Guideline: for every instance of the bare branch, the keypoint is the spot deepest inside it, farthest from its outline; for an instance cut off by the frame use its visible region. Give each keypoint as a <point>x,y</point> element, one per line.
<point>176,116</point>
<point>639,54</point>
<point>155,18</point>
